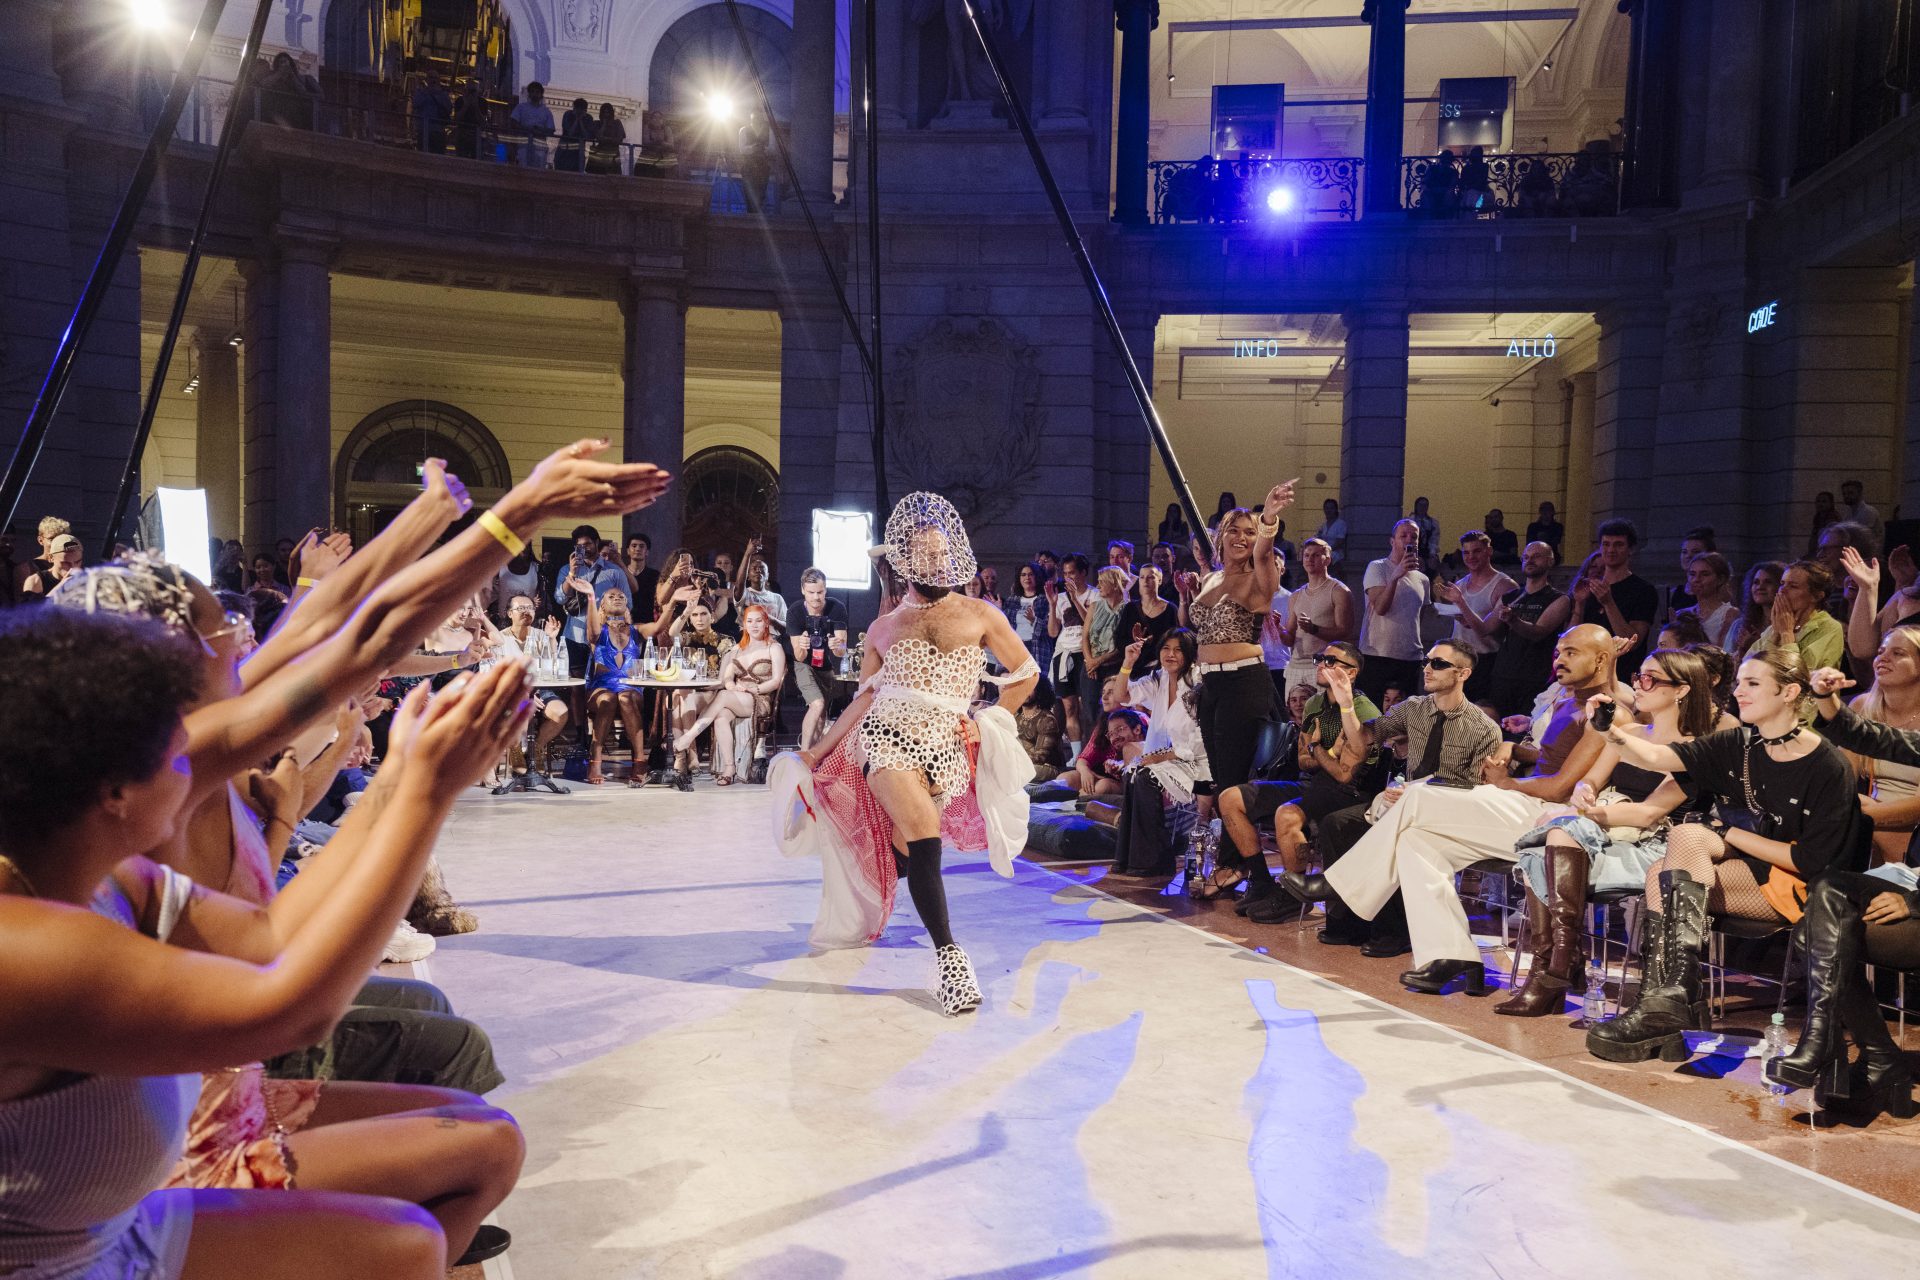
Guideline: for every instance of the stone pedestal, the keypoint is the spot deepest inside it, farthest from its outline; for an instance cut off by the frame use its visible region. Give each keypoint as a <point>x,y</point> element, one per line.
<point>216,446</point>
<point>1373,432</point>
<point>654,372</point>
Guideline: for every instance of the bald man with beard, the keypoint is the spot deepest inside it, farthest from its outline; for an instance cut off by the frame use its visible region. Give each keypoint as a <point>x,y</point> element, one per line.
<point>1434,829</point>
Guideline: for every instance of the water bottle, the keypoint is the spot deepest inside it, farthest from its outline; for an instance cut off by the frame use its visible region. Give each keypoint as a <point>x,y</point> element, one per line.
<point>1593,1004</point>
<point>676,658</point>
<point>1774,1045</point>
<point>651,659</point>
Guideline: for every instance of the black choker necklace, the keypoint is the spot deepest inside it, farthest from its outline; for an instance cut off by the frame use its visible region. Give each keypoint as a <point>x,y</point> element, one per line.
<point>1780,741</point>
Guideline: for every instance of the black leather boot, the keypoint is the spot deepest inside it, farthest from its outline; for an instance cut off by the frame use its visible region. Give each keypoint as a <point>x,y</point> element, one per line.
<point>1308,888</point>
<point>1832,936</point>
<point>1559,959</point>
<point>1881,1082</point>
<point>1433,979</point>
<point>1669,1005</point>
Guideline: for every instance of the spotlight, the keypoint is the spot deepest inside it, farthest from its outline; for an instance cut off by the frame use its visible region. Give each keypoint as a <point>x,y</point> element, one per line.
<point>1280,200</point>
<point>720,106</point>
<point>148,15</point>
<point>1547,65</point>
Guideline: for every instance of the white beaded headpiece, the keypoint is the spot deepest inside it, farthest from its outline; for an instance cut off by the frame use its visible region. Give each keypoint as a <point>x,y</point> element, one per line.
<point>139,584</point>
<point>927,542</point>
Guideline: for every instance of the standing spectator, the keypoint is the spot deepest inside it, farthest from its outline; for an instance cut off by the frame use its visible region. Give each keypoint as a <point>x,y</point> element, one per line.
<point>646,580</point>
<point>1027,607</point>
<point>1695,542</point>
<point>286,96</point>
<point>1476,183</point>
<point>432,108</point>
<point>817,627</point>
<point>1101,646</point>
<point>1333,532</point>
<point>1276,630</point>
<point>1530,617</point>
<point>1506,545</point>
<point>1147,619</point>
<point>756,159</point>
<point>577,132</point>
<point>49,528</point>
<point>1620,600</point>
<point>63,561</point>
<point>1835,539</point>
<point>1429,535</point>
<point>1437,199</point>
<point>519,577</point>
<point>1548,529</point>
<point>535,119</point>
<point>1120,556</point>
<point>1173,526</point>
<point>1318,613</point>
<point>1477,597</point>
<point>1068,604</point>
<point>755,589</point>
<point>1390,636</point>
<point>990,585</point>
<point>1824,514</point>
<point>586,567</point>
<point>1291,575</point>
<point>469,119</point>
<point>1763,584</point>
<point>230,567</point>
<point>1859,511</point>
<point>608,135</point>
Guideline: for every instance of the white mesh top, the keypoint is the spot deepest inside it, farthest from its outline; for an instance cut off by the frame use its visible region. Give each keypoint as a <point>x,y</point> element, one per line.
<point>920,694</point>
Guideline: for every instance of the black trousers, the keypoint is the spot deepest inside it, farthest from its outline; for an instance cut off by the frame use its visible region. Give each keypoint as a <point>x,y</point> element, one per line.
<point>1234,707</point>
<point>1143,845</point>
<point>1339,832</point>
<point>1894,946</point>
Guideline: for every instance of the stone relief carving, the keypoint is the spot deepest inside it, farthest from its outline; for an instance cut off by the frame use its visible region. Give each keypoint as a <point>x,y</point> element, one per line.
<point>968,77</point>
<point>583,23</point>
<point>964,416</point>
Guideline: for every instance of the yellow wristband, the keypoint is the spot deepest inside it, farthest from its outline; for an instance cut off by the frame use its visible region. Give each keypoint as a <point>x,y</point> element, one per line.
<point>506,537</point>
<point>306,582</point>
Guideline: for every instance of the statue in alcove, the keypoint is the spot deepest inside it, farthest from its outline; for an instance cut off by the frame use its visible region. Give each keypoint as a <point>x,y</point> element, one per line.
<point>969,79</point>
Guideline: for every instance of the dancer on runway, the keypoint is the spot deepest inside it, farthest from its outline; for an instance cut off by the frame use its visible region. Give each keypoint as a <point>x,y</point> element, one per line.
<point>909,761</point>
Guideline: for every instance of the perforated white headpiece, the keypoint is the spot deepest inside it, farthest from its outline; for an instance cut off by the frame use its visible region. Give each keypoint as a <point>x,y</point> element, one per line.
<point>927,542</point>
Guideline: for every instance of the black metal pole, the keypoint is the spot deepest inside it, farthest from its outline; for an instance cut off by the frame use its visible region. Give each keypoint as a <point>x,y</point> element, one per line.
<point>230,129</point>
<point>793,180</point>
<point>1142,394</point>
<point>870,115</point>
<point>33,435</point>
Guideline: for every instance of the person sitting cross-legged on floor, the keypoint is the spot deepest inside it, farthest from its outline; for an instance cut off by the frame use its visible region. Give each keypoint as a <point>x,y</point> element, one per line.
<point>1440,827</point>
<point>1334,774</point>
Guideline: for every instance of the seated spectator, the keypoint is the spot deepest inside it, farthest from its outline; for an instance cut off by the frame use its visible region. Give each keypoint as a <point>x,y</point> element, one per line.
<point>817,630</point>
<point>1798,818</point>
<point>751,674</point>
<point>1547,529</point>
<point>1710,597</point>
<point>1506,543</point>
<point>1682,632</point>
<point>92,779</point>
<point>1097,769</point>
<point>63,561</point>
<point>1433,831</point>
<point>616,662</point>
<point>1756,608</point>
<point>1160,782</point>
<point>1038,725</point>
<point>1617,832</point>
<point>1892,800</point>
<point>541,647</point>
<point>1334,774</point>
<point>1835,540</point>
<point>1798,623</point>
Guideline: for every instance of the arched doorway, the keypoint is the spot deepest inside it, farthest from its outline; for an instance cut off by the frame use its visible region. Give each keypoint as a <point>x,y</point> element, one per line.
<point>377,472</point>
<point>731,495</point>
<point>699,57</point>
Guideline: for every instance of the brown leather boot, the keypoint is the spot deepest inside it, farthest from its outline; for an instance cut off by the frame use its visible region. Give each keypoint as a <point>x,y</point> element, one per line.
<point>1559,959</point>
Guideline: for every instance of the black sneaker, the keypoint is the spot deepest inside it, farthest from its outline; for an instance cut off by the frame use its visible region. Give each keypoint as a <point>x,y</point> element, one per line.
<point>1382,948</point>
<point>488,1242</point>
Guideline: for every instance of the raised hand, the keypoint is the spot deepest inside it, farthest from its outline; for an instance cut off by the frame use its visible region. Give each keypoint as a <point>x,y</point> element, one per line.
<point>1133,651</point>
<point>552,627</point>
<point>445,488</point>
<point>1279,498</point>
<point>1865,573</point>
<point>572,484</point>
<point>1340,687</point>
<point>466,729</point>
<point>276,793</point>
<point>1828,682</point>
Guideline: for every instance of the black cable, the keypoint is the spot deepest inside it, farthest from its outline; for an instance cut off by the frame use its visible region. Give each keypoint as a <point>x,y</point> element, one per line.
<point>33,436</point>
<point>230,130</point>
<point>1142,394</point>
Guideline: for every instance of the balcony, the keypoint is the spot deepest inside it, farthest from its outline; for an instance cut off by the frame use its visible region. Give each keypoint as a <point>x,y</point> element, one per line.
<point>1582,184</point>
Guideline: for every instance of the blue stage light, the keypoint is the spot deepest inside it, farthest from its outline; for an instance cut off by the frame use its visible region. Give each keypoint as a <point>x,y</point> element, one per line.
<point>1280,200</point>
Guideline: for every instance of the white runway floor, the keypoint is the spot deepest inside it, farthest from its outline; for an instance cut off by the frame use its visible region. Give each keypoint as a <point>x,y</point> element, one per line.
<point>702,1097</point>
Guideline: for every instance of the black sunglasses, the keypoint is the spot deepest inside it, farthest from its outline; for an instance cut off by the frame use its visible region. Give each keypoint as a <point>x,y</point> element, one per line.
<point>1440,664</point>
<point>1332,660</point>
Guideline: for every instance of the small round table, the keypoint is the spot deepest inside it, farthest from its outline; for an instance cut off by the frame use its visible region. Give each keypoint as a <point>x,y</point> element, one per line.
<point>674,689</point>
<point>533,778</point>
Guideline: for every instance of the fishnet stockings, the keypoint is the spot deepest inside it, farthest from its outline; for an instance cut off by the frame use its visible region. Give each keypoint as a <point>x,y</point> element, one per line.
<point>1731,888</point>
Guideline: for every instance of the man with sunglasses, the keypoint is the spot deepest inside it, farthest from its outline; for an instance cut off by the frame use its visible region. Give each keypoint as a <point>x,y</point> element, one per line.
<point>1447,823</point>
<point>1334,773</point>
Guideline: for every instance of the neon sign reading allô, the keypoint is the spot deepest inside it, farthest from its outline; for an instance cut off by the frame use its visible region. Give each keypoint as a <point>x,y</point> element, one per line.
<point>1533,348</point>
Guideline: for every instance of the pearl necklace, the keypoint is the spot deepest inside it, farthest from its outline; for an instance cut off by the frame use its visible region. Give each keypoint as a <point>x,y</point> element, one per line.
<point>906,603</point>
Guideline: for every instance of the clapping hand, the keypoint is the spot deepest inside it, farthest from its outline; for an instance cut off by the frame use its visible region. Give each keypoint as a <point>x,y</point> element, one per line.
<point>275,794</point>
<point>452,739</point>
<point>552,627</point>
<point>1340,686</point>
<point>1447,591</point>
<point>1786,627</point>
<point>1601,589</point>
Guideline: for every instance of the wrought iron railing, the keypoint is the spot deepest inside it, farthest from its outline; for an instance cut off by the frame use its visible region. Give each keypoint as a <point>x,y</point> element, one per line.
<point>1579,184</point>
<point>1326,188</point>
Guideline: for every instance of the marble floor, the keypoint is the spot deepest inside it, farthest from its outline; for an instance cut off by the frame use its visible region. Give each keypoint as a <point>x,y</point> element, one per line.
<point>702,1097</point>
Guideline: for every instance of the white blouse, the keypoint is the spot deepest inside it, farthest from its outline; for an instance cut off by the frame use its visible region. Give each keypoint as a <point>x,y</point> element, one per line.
<point>1171,726</point>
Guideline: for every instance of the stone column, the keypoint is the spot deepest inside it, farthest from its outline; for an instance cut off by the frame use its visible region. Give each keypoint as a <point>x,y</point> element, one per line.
<point>1123,452</point>
<point>1577,514</point>
<point>217,435</point>
<point>287,445</point>
<point>654,370</point>
<point>1136,20</point>
<point>1626,403</point>
<point>1845,329</point>
<point>1651,88</point>
<point>890,46</point>
<point>1735,80</point>
<point>1386,107</point>
<point>1373,432</point>
<point>812,62</point>
<point>810,354</point>
<point>1064,28</point>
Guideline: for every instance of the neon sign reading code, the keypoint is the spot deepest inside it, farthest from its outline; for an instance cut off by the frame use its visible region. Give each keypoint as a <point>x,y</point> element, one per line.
<point>1763,317</point>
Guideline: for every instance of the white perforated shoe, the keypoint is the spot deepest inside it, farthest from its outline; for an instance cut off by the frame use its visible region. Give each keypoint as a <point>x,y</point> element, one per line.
<point>959,991</point>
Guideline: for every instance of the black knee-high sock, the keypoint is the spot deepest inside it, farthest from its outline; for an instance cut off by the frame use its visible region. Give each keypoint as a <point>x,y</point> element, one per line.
<point>928,890</point>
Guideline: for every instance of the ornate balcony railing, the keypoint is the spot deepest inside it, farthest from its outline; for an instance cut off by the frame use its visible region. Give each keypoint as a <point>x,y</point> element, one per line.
<point>1579,184</point>
<point>1326,188</point>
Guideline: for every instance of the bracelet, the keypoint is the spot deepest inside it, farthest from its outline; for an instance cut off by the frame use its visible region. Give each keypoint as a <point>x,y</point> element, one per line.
<point>1126,671</point>
<point>506,537</point>
<point>1266,530</point>
<point>306,582</point>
